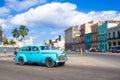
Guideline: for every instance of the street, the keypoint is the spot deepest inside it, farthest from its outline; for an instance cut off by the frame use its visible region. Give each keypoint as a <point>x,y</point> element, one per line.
<point>89,66</point>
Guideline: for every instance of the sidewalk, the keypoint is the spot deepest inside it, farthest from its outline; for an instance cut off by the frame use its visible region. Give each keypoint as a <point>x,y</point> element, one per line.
<point>7,56</point>
<point>74,52</point>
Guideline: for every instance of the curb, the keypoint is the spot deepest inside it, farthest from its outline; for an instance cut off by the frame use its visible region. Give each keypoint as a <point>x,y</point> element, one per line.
<point>7,55</point>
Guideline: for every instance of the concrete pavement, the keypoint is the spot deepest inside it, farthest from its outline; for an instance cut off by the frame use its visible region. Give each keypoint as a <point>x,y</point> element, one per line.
<point>87,59</point>
<point>7,56</point>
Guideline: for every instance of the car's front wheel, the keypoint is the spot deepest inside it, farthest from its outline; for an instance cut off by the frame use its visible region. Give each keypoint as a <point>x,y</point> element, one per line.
<point>61,63</point>
<point>21,61</point>
<point>50,63</point>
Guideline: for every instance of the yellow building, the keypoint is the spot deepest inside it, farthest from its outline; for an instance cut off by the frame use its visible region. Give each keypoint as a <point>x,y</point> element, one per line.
<point>94,34</point>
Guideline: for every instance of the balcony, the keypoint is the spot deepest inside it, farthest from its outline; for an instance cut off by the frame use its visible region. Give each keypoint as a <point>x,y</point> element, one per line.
<point>103,40</point>
<point>82,42</point>
<point>94,41</point>
<point>82,29</point>
<point>81,35</point>
<point>94,32</point>
<point>114,38</point>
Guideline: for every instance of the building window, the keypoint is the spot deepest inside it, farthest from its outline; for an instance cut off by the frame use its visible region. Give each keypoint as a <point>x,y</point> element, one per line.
<point>109,35</point>
<point>118,34</point>
<point>113,34</point>
<point>109,44</point>
<point>119,43</point>
<point>114,44</point>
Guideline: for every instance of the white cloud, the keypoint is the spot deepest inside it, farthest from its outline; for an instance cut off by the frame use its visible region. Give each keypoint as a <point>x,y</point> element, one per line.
<point>22,5</point>
<point>53,33</point>
<point>104,15</point>
<point>3,23</point>
<point>54,14</point>
<point>4,11</point>
<point>60,15</point>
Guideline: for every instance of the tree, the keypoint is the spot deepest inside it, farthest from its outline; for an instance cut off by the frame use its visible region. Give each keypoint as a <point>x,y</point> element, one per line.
<point>15,33</point>
<point>12,42</point>
<point>23,31</point>
<point>5,43</point>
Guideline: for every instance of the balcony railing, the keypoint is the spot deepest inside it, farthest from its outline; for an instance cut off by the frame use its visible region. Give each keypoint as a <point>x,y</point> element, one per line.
<point>94,41</point>
<point>114,38</point>
<point>94,32</point>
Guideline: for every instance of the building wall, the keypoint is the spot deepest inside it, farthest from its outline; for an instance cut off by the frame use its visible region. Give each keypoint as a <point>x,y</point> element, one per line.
<point>85,29</point>
<point>88,41</point>
<point>76,44</point>
<point>69,35</point>
<point>0,34</point>
<point>68,38</point>
<point>94,34</point>
<point>102,35</point>
<point>82,36</point>
<point>114,36</point>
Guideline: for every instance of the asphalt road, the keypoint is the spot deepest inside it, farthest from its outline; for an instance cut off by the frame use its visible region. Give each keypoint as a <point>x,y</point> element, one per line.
<point>85,67</point>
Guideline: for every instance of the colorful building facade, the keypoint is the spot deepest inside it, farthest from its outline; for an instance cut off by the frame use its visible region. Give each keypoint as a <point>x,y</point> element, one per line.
<point>94,33</point>
<point>102,35</point>
<point>85,29</point>
<point>88,41</point>
<point>114,36</point>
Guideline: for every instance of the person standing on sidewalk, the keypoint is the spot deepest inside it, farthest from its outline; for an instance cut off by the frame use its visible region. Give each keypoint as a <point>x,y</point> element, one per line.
<point>4,51</point>
<point>16,51</point>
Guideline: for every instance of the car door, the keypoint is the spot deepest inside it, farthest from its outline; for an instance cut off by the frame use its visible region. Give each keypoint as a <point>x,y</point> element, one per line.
<point>36,54</point>
<point>28,53</point>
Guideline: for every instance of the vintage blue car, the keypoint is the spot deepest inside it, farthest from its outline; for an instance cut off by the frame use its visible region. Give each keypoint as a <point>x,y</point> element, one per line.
<point>42,54</point>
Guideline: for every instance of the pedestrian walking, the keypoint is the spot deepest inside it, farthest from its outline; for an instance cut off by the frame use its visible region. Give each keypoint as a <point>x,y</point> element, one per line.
<point>81,51</point>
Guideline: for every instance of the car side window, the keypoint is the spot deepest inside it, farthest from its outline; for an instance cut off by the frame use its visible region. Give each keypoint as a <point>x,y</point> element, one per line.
<point>42,47</point>
<point>35,48</point>
<point>23,49</point>
<point>28,49</point>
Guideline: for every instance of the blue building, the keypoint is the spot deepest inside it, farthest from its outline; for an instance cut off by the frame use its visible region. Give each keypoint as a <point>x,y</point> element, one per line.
<point>102,35</point>
<point>88,41</point>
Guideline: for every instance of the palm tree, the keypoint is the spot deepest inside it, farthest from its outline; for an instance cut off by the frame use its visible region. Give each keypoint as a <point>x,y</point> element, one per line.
<point>15,33</point>
<point>23,31</point>
<point>12,42</point>
<point>5,43</point>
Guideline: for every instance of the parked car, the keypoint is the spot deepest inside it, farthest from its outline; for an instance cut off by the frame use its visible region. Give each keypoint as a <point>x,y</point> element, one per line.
<point>41,54</point>
<point>93,50</point>
<point>115,49</point>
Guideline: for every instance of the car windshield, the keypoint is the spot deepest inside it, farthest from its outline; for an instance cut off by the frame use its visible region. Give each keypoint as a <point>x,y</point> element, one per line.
<point>44,48</point>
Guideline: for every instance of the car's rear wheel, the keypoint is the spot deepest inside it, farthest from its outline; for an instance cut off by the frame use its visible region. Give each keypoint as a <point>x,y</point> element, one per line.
<point>61,63</point>
<point>21,61</point>
<point>49,63</point>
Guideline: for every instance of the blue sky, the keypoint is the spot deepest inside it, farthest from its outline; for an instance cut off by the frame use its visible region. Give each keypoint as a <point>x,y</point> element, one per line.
<point>46,19</point>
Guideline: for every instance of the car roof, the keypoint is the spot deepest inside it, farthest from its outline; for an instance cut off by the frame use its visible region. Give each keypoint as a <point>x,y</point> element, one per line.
<point>34,45</point>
